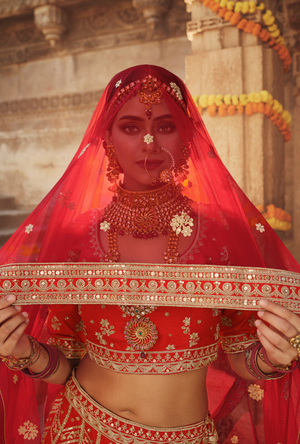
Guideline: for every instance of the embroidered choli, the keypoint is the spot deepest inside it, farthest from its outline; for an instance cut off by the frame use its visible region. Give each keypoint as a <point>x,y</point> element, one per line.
<point>188,338</point>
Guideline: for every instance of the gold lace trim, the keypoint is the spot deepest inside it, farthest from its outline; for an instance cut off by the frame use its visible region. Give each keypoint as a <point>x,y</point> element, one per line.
<point>238,343</point>
<point>162,362</point>
<point>147,284</point>
<point>69,347</point>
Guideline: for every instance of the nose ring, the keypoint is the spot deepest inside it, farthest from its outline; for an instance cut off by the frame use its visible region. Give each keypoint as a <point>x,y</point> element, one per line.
<point>166,175</point>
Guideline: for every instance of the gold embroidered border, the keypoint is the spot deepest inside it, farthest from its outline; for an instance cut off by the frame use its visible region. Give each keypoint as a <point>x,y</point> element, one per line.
<point>147,284</point>
<point>162,362</point>
<point>69,347</point>
<point>238,343</point>
<point>120,430</point>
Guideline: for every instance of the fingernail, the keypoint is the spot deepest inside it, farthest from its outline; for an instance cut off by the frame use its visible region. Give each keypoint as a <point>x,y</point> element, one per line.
<point>260,313</point>
<point>257,323</point>
<point>258,332</point>
<point>18,308</point>
<point>25,314</point>
<point>263,303</point>
<point>11,298</point>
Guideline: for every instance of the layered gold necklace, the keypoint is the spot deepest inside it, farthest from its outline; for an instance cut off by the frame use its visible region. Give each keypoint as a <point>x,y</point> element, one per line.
<point>146,215</point>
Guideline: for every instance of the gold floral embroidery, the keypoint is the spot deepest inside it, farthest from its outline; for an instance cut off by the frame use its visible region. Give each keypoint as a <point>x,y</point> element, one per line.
<point>216,336</point>
<point>256,392</point>
<point>251,321</point>
<point>170,347</point>
<point>194,338</point>
<point>215,312</point>
<point>106,329</point>
<point>79,326</point>
<point>168,361</point>
<point>237,343</point>
<point>234,439</point>
<point>186,327</point>
<point>29,430</point>
<point>15,379</point>
<point>55,324</point>
<point>69,347</point>
<point>227,322</point>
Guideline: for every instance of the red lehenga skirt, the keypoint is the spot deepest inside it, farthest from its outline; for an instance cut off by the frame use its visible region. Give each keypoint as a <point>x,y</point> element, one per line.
<point>76,418</point>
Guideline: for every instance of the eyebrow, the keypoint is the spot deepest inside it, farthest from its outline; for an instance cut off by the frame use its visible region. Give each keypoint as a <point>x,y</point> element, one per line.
<point>140,119</point>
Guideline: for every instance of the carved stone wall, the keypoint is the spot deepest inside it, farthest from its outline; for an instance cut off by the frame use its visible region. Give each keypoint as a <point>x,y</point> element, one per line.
<point>47,94</point>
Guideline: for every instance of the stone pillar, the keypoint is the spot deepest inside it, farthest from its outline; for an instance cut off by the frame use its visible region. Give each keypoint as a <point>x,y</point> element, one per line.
<point>154,12</point>
<point>226,60</point>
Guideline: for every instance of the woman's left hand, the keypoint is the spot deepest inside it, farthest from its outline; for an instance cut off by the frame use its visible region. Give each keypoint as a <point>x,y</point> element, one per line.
<point>275,328</point>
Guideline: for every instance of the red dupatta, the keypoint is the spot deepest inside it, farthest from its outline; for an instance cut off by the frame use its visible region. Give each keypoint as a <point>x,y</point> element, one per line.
<point>249,239</point>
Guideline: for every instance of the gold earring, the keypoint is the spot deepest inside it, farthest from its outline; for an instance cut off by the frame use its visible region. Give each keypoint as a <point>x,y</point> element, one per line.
<point>113,167</point>
<point>181,171</point>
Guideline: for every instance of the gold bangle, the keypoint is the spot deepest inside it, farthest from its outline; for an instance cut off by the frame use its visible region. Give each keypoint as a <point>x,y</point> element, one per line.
<point>19,363</point>
<point>295,342</point>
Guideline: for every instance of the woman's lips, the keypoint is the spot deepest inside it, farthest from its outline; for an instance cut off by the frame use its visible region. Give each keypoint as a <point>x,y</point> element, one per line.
<point>151,164</point>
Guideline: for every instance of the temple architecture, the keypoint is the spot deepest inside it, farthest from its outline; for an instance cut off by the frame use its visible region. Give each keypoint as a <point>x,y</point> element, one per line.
<point>56,57</point>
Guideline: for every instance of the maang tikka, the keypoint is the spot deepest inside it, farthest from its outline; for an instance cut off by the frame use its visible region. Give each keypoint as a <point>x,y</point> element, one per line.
<point>149,94</point>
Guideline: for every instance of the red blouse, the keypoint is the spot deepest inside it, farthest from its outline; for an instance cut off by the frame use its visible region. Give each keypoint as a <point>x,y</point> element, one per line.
<point>188,338</point>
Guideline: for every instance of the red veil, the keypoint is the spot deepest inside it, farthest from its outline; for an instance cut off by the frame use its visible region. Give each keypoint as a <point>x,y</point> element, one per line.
<point>249,240</point>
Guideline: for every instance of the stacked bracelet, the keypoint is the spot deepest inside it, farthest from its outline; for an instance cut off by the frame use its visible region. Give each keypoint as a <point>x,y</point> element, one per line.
<point>252,366</point>
<point>21,363</point>
<point>51,368</point>
<point>281,368</point>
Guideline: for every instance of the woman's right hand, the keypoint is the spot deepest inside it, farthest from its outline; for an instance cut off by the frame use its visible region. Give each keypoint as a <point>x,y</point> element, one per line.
<point>13,340</point>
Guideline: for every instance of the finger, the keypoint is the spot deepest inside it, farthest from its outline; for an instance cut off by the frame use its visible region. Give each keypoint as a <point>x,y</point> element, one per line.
<point>275,355</point>
<point>7,300</point>
<point>282,312</point>
<point>8,312</point>
<point>275,344</point>
<point>8,327</point>
<point>14,338</point>
<point>280,324</point>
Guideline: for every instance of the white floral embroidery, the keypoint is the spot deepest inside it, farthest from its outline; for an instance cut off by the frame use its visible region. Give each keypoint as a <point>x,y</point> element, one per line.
<point>84,150</point>
<point>118,83</point>
<point>105,226</point>
<point>260,227</point>
<point>256,392</point>
<point>177,90</point>
<point>29,228</point>
<point>148,139</point>
<point>29,430</point>
<point>182,224</point>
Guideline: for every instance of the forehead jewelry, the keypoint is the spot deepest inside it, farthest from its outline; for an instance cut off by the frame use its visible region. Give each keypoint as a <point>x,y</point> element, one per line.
<point>166,175</point>
<point>149,94</point>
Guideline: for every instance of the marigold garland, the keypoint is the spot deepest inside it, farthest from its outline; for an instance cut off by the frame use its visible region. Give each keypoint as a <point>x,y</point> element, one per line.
<point>232,12</point>
<point>276,217</point>
<point>249,104</point>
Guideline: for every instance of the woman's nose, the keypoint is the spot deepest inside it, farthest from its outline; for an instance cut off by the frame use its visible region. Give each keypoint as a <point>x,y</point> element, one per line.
<point>150,143</point>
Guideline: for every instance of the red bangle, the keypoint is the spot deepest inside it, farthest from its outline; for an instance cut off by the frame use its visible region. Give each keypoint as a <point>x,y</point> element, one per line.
<point>51,368</point>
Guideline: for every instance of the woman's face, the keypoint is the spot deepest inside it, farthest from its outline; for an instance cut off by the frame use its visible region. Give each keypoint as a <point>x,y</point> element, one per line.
<point>127,134</point>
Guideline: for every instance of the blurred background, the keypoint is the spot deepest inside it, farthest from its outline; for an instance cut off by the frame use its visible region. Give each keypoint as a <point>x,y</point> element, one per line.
<point>240,60</point>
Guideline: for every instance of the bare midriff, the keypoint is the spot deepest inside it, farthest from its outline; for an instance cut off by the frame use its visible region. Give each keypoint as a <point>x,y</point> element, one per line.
<point>171,400</point>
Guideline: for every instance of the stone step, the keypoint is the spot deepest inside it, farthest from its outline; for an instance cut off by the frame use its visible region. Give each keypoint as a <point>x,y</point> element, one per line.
<point>7,202</point>
<point>12,218</point>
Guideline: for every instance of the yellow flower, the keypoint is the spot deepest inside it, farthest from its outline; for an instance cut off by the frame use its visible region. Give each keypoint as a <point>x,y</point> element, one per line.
<point>227,99</point>
<point>211,99</point>
<point>252,6</point>
<point>204,100</point>
<point>243,99</point>
<point>245,8</point>
<point>219,99</point>
<point>251,97</point>
<point>264,96</point>
<point>230,5</point>
<point>238,6</point>
<point>235,100</point>
<point>223,3</point>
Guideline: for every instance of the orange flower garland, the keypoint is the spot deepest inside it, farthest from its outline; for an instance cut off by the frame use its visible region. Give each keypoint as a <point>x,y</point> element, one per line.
<point>249,104</point>
<point>232,12</point>
<point>276,217</point>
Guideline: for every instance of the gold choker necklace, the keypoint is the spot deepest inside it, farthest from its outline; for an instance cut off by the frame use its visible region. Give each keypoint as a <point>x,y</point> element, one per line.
<point>146,215</point>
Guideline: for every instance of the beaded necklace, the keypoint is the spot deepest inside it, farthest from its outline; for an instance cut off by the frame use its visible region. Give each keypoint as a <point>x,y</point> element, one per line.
<point>146,215</point>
